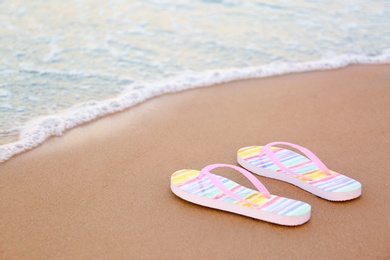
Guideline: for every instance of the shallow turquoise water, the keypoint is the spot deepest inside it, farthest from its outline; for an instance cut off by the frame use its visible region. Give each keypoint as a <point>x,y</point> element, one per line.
<point>57,54</point>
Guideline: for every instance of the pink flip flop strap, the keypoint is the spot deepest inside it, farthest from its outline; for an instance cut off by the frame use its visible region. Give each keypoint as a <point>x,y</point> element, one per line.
<point>268,151</point>
<point>206,171</point>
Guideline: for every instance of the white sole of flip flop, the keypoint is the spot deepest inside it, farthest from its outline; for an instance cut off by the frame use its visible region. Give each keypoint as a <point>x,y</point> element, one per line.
<point>333,196</point>
<point>241,210</point>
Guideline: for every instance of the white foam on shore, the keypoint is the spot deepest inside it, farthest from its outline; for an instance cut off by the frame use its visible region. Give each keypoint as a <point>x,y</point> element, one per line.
<point>40,129</point>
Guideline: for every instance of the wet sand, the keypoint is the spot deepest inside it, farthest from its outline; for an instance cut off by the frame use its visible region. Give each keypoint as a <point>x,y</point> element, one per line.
<point>102,190</point>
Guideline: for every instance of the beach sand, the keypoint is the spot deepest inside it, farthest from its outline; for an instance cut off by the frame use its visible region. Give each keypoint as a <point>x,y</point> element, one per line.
<point>103,190</point>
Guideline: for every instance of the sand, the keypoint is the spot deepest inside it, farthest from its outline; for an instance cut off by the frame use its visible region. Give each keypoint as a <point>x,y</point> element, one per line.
<point>102,190</point>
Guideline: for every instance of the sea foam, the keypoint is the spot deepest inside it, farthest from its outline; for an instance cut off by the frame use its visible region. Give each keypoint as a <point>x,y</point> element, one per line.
<point>36,131</point>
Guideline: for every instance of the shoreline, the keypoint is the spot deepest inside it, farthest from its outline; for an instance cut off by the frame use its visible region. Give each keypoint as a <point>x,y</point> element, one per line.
<point>38,130</point>
<point>102,189</point>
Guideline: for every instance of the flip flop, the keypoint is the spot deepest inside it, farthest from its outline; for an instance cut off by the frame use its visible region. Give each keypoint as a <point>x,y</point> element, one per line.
<point>306,172</point>
<point>214,191</point>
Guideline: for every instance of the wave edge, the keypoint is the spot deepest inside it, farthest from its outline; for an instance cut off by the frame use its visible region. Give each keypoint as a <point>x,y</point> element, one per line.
<point>38,130</point>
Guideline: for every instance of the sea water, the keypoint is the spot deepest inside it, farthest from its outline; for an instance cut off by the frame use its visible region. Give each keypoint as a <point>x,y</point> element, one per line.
<point>64,63</point>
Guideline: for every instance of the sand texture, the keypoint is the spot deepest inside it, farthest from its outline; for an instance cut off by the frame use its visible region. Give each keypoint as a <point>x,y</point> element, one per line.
<point>102,190</point>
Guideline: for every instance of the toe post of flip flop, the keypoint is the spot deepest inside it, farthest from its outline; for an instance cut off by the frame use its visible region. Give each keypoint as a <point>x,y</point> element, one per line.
<point>215,191</point>
<point>307,172</point>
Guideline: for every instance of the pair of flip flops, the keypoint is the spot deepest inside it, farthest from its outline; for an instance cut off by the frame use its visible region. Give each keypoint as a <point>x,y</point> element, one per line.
<point>307,172</point>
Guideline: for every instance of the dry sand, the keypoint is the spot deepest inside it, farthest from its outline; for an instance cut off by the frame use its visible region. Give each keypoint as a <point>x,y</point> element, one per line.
<point>102,190</point>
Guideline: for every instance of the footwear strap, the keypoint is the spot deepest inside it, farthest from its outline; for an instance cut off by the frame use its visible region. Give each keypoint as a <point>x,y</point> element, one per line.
<point>260,187</point>
<point>268,151</point>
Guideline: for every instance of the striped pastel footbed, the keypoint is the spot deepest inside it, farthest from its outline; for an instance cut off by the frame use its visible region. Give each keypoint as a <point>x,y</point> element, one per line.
<point>187,180</point>
<point>300,165</point>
